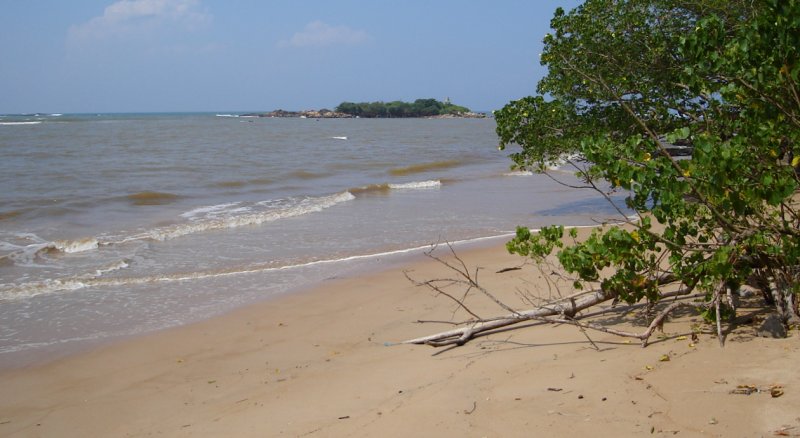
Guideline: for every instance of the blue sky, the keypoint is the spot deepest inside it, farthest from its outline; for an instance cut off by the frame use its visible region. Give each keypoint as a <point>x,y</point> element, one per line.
<point>242,55</point>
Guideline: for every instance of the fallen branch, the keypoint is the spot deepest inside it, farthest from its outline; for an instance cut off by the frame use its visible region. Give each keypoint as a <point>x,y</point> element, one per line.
<point>568,306</point>
<point>461,335</point>
<point>644,337</point>
<point>563,310</point>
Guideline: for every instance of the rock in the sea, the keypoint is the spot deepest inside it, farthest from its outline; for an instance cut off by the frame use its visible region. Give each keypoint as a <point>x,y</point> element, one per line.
<point>772,327</point>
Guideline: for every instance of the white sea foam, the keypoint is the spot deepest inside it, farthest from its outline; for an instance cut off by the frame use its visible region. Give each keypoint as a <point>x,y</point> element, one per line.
<point>227,115</point>
<point>73,246</point>
<point>31,254</point>
<point>519,173</point>
<point>36,122</point>
<point>25,255</point>
<point>432,184</point>
<point>31,250</point>
<point>203,211</point>
<point>122,264</point>
<point>49,286</point>
<point>339,137</point>
<point>292,208</point>
<point>35,288</point>
<point>77,282</point>
<point>561,162</point>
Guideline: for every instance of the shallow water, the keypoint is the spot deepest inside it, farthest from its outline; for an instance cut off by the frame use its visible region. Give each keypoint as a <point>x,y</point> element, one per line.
<point>112,225</point>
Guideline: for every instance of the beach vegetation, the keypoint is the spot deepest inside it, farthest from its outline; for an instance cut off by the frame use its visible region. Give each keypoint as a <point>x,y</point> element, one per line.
<point>632,82</point>
<point>627,81</point>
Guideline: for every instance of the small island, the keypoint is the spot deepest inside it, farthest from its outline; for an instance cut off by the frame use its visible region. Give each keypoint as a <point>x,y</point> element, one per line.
<point>427,108</point>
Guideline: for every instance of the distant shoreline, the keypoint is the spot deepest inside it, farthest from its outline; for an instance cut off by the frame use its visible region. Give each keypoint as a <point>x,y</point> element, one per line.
<point>328,114</point>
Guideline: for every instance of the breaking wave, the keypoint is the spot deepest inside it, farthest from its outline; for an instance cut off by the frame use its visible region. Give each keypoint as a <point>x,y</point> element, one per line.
<point>20,123</point>
<point>73,246</point>
<point>519,173</point>
<point>96,279</point>
<point>562,163</point>
<point>232,215</point>
<point>432,184</point>
<point>387,188</point>
<point>31,250</point>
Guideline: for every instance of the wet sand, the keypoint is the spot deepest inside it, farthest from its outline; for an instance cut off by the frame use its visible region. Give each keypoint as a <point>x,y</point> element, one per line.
<point>325,362</point>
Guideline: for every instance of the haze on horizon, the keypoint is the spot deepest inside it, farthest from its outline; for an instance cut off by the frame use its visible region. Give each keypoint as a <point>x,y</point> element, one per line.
<point>249,55</point>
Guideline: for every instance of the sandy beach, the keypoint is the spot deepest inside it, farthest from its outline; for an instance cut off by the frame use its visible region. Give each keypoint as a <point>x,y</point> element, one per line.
<point>325,362</point>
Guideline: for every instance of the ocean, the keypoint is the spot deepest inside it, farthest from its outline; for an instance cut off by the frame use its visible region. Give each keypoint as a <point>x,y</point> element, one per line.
<point>113,225</point>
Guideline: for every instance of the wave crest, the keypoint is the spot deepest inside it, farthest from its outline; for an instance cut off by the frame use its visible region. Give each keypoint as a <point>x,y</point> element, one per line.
<point>73,246</point>
<point>30,253</point>
<point>425,167</point>
<point>30,250</point>
<point>431,184</point>
<point>226,216</point>
<point>372,188</point>
<point>20,123</point>
<point>385,189</point>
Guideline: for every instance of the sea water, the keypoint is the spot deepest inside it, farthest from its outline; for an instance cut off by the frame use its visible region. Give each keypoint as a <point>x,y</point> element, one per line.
<point>114,225</point>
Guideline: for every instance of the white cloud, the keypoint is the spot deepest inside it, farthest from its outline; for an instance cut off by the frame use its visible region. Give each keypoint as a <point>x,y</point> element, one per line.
<point>319,34</point>
<point>131,17</point>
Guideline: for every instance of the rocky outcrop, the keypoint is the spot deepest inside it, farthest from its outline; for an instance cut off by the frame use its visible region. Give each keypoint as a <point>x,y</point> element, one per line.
<point>468,115</point>
<point>309,114</point>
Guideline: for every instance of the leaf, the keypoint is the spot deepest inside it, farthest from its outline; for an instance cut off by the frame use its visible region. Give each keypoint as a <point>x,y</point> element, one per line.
<point>678,134</point>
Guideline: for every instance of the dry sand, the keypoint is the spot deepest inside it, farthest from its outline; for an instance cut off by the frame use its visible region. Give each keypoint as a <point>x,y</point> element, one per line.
<point>316,364</point>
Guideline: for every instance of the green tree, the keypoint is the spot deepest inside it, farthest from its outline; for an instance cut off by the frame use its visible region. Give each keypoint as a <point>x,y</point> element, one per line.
<point>628,78</point>
<point>398,109</point>
<point>419,108</point>
<point>349,108</point>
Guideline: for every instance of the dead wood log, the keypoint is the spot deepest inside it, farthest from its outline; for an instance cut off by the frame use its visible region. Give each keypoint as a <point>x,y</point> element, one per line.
<point>563,310</point>
<point>644,337</point>
<point>567,307</point>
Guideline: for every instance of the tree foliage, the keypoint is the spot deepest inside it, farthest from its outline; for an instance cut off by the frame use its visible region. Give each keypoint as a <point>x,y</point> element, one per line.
<point>418,108</point>
<point>629,78</point>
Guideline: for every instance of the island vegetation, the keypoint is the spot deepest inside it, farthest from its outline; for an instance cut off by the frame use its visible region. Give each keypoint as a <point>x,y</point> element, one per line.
<point>394,109</point>
<point>626,81</point>
<point>428,108</point>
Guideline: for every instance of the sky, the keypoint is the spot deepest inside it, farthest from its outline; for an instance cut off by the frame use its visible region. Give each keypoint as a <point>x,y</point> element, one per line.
<point>88,56</point>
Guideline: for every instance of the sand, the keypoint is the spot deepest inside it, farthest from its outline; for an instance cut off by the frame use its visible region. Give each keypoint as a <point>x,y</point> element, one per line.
<point>323,363</point>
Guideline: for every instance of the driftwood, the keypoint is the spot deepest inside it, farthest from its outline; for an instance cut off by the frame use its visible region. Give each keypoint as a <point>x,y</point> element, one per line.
<point>567,307</point>
<point>561,311</point>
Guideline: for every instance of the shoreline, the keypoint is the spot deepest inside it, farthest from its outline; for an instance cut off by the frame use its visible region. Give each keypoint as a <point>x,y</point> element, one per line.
<point>316,362</point>
<point>374,263</point>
